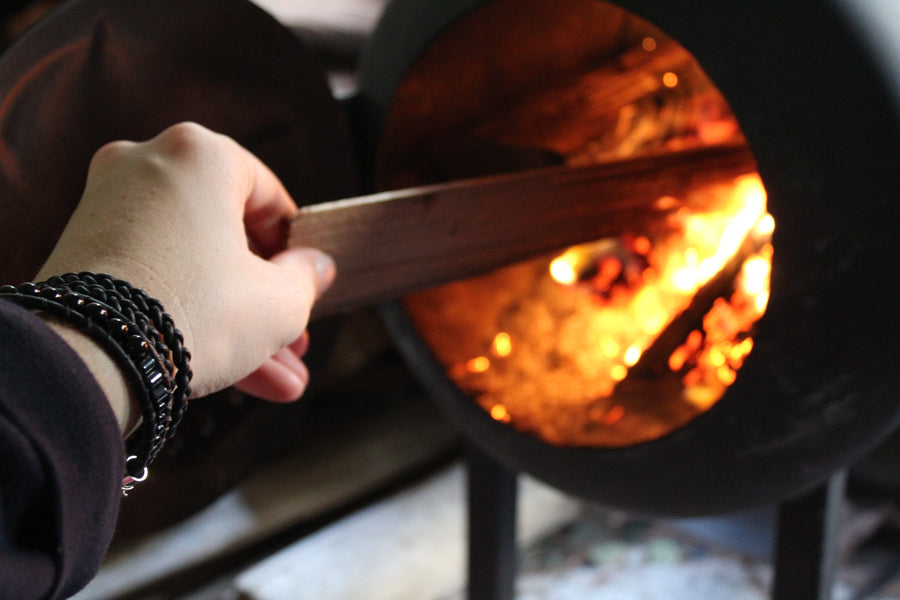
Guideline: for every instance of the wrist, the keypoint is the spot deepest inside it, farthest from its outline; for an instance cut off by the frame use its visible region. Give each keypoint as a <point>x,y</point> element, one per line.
<point>138,336</point>
<point>120,395</point>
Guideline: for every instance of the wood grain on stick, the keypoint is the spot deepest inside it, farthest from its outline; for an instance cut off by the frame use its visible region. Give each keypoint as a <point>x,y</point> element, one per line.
<point>390,244</point>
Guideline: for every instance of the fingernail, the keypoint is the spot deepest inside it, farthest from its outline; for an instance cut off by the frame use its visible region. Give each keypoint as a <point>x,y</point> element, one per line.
<point>326,270</point>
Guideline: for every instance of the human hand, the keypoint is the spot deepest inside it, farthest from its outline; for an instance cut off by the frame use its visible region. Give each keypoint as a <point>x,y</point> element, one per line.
<point>198,222</point>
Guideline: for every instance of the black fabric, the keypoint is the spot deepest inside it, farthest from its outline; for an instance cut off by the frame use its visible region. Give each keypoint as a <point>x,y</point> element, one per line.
<point>61,462</point>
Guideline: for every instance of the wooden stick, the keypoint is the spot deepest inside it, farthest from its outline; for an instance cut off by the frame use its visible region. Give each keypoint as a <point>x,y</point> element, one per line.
<point>390,244</point>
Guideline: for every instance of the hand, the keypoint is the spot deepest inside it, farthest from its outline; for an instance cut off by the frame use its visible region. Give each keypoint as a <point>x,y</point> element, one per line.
<point>198,222</point>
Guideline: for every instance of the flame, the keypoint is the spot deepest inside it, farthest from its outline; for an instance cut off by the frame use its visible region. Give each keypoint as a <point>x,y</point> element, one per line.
<point>625,339</point>
<point>562,269</point>
<point>632,355</point>
<point>765,227</point>
<point>755,276</point>
<point>604,305</point>
<point>610,347</point>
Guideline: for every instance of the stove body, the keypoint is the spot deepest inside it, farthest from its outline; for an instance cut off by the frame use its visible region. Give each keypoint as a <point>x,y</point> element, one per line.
<point>814,86</point>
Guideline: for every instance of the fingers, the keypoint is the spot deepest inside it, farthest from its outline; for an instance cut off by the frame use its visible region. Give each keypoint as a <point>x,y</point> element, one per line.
<point>209,200</point>
<point>267,208</point>
<point>266,204</point>
<point>301,345</point>
<point>258,195</point>
<point>294,279</point>
<point>282,378</point>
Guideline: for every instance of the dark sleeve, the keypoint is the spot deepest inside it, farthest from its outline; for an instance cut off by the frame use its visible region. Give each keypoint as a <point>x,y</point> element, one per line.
<point>61,463</point>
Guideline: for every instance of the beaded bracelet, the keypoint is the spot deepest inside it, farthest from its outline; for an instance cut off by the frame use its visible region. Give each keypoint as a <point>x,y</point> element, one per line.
<point>139,335</point>
<point>140,307</point>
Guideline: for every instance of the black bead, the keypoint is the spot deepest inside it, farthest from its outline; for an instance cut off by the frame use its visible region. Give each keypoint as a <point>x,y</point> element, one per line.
<point>137,344</point>
<point>28,288</point>
<point>119,327</point>
<point>96,310</point>
<point>72,300</point>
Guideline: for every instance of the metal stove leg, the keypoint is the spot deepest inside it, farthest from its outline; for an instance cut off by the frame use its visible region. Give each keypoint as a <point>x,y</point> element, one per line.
<point>492,491</point>
<point>806,543</point>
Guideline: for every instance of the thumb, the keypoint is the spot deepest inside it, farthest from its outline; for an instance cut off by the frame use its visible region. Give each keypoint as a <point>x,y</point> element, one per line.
<point>303,262</point>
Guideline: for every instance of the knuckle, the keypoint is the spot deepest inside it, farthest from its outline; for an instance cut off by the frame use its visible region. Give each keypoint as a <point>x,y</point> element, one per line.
<point>183,140</point>
<point>112,151</point>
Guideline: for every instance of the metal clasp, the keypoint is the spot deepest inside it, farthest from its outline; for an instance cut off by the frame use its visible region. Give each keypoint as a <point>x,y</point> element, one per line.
<point>128,481</point>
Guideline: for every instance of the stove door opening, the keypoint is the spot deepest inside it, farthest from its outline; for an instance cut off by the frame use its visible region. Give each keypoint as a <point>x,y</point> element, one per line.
<point>615,342</point>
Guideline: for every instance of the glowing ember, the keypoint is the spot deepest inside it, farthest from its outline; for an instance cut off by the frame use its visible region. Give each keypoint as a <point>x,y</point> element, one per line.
<point>499,412</point>
<point>502,344</point>
<point>478,364</point>
<point>563,270</point>
<point>631,356</point>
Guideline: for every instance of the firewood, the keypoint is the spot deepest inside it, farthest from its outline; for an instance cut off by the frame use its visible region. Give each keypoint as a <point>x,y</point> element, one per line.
<point>654,360</point>
<point>565,116</point>
<point>389,244</point>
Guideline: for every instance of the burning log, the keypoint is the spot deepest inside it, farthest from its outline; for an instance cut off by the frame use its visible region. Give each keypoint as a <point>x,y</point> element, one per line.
<point>387,245</point>
<point>575,116</point>
<point>657,358</point>
<point>688,366</point>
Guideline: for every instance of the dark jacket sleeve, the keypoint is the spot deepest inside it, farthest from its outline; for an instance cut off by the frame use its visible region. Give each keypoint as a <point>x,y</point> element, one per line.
<point>61,462</point>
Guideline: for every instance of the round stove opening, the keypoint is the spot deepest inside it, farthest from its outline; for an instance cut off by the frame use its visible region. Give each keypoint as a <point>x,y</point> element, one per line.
<point>624,339</point>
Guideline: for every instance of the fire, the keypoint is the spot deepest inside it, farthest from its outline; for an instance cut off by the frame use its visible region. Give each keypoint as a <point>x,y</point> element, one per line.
<point>499,413</point>
<point>670,79</point>
<point>613,415</point>
<point>562,269</point>
<point>610,347</point>
<point>621,340</point>
<point>479,364</point>
<point>755,275</point>
<point>632,355</point>
<point>597,326</point>
<point>502,344</point>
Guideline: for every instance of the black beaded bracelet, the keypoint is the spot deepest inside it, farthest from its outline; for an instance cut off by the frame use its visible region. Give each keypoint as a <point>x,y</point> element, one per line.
<point>140,307</point>
<point>139,335</point>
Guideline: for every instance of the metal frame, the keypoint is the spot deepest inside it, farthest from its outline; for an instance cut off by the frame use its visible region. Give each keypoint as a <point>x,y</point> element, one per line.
<point>805,554</point>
